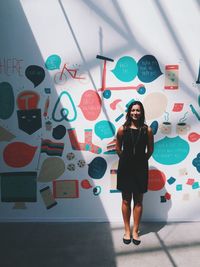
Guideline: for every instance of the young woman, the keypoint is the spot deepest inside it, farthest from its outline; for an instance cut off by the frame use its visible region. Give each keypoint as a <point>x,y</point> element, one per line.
<point>134,147</point>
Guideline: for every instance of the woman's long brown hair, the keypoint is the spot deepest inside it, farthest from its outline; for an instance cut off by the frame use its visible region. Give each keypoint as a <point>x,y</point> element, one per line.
<point>127,123</point>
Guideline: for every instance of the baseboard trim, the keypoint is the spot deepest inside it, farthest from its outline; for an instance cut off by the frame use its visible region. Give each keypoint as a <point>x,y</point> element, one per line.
<point>83,219</point>
<point>53,220</point>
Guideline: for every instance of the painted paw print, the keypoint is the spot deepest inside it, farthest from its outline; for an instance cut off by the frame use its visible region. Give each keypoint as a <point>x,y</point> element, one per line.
<point>70,156</point>
<point>71,167</point>
<point>81,163</point>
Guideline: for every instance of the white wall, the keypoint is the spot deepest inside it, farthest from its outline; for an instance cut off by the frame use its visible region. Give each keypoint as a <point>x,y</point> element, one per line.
<point>76,31</point>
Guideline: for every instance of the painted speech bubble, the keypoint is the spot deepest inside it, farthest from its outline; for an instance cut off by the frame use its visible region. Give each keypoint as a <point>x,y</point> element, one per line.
<point>53,62</point>
<point>196,162</point>
<point>148,69</point>
<point>35,74</point>
<point>6,100</point>
<point>155,105</point>
<point>97,168</point>
<point>104,129</point>
<point>90,105</point>
<point>18,154</point>
<point>126,69</point>
<point>169,151</point>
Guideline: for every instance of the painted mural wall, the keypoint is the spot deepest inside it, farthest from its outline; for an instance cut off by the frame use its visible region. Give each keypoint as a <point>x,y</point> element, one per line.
<point>68,72</point>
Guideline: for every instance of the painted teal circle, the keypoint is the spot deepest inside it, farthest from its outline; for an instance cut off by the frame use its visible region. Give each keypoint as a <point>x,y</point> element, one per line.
<point>107,94</point>
<point>141,90</point>
<point>97,190</point>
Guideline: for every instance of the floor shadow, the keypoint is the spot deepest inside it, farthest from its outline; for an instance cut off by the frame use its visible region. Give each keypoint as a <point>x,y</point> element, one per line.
<point>151,227</point>
<point>56,244</point>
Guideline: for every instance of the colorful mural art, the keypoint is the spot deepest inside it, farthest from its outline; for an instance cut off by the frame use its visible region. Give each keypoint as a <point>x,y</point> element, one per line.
<point>59,114</point>
<point>168,150</point>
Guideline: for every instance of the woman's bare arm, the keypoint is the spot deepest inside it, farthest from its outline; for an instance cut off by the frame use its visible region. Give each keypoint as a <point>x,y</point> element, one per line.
<point>119,141</point>
<point>150,143</point>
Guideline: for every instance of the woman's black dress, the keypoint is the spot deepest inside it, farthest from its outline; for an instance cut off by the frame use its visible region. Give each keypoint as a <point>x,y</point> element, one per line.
<point>132,173</point>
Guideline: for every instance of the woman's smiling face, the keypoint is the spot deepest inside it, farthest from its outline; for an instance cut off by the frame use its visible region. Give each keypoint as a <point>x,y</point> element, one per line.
<point>136,112</point>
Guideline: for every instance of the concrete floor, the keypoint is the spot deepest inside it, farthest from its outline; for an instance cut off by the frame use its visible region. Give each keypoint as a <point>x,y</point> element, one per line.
<point>98,245</point>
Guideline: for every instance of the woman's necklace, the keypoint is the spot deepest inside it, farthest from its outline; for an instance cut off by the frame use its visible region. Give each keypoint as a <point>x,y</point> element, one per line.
<point>136,141</point>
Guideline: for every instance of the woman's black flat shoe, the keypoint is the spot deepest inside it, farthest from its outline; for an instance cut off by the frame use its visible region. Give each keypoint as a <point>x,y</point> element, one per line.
<point>136,242</point>
<point>126,241</point>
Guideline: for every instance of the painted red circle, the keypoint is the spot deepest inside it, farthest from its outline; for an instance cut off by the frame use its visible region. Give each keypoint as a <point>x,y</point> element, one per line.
<point>157,180</point>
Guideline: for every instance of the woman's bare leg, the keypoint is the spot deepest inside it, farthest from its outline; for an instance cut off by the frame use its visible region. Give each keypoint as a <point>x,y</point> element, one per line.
<point>126,212</point>
<point>137,214</point>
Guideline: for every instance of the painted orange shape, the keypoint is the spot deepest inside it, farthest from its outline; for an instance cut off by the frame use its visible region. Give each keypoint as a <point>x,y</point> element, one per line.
<point>86,184</point>
<point>18,154</point>
<point>167,196</point>
<point>157,180</point>
<point>178,107</point>
<point>193,137</point>
<point>190,181</point>
<point>113,105</point>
